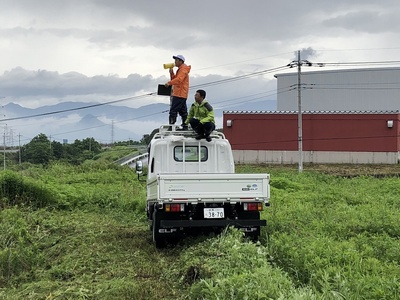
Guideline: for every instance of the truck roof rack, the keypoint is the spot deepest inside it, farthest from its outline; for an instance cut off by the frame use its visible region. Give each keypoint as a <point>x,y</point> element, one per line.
<point>173,130</point>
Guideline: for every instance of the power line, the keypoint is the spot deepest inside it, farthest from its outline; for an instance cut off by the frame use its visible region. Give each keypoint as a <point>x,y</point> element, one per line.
<point>216,82</point>
<point>212,83</point>
<point>243,61</point>
<point>149,94</point>
<point>114,122</point>
<point>77,108</point>
<point>245,76</point>
<point>363,63</point>
<point>357,49</point>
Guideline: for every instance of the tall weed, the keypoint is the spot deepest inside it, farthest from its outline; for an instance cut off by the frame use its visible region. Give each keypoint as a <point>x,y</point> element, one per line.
<point>16,190</point>
<point>339,236</point>
<point>327,237</point>
<point>229,267</point>
<point>18,252</point>
<point>67,187</point>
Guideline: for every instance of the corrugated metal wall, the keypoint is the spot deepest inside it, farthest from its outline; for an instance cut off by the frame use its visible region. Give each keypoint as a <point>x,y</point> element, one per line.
<point>355,132</point>
<point>340,90</point>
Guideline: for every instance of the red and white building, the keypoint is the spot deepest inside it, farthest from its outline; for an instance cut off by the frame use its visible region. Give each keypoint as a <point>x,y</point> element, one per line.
<point>370,134</point>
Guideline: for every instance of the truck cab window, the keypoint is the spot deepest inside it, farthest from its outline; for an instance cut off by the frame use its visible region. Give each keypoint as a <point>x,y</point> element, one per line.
<point>191,153</point>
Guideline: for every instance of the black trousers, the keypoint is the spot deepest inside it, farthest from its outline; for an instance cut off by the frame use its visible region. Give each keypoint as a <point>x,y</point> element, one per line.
<point>202,129</point>
<point>178,106</point>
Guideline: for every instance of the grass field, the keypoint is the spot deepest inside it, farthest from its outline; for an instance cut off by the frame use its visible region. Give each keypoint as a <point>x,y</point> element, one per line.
<point>81,233</point>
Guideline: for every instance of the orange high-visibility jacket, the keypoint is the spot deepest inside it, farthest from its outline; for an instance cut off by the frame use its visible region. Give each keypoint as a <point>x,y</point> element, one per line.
<point>180,81</point>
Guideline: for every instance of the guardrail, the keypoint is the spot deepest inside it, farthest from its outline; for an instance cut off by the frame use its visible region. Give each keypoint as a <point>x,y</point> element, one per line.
<point>132,161</point>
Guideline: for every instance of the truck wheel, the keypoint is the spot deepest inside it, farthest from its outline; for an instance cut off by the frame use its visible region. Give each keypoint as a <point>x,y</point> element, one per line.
<point>253,236</point>
<point>158,240</point>
<point>150,213</point>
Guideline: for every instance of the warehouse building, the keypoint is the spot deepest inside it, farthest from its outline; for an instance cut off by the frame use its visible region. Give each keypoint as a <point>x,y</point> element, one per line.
<point>372,89</point>
<point>348,116</point>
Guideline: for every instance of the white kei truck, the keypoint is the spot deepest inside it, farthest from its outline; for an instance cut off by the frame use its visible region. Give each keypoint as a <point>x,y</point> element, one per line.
<point>192,186</point>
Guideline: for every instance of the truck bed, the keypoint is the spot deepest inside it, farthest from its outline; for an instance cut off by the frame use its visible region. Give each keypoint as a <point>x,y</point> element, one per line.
<point>218,187</point>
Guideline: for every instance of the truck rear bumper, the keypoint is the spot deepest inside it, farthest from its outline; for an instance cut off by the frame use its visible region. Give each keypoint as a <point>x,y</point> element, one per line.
<point>211,223</point>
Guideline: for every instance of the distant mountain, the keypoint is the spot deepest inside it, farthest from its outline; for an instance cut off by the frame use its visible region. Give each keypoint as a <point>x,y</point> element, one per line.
<point>81,108</point>
<point>102,122</point>
<point>96,109</point>
<point>14,110</point>
<point>89,120</point>
<point>113,111</point>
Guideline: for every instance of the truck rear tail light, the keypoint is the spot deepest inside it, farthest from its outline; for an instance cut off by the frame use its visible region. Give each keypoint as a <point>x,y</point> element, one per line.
<point>174,207</point>
<point>253,206</point>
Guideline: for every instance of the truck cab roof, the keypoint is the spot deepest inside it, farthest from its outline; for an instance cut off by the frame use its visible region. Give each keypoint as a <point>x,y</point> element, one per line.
<point>176,151</point>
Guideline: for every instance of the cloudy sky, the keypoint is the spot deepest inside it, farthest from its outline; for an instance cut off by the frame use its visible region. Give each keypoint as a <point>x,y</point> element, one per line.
<point>55,51</point>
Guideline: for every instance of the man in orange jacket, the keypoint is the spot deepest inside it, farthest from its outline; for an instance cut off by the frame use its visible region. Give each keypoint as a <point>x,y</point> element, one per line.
<point>180,90</point>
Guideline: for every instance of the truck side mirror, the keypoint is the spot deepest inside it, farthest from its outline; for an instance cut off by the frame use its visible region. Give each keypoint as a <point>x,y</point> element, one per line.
<point>139,168</point>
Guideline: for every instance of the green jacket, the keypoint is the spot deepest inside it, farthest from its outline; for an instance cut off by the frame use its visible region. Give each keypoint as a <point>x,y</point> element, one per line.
<point>203,112</point>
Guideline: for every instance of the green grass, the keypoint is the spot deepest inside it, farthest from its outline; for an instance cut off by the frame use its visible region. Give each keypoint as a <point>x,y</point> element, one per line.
<point>117,152</point>
<point>337,235</point>
<point>81,233</point>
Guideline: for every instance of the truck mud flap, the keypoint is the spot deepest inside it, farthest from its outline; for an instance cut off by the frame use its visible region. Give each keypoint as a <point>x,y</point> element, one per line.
<point>211,223</point>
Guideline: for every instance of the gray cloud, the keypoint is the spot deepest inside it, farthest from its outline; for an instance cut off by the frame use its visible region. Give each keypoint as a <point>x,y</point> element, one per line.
<point>101,50</point>
<point>305,54</point>
<point>21,83</point>
<point>190,24</point>
<point>366,21</point>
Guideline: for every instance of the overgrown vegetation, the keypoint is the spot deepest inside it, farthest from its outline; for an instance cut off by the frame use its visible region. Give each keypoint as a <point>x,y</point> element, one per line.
<point>42,151</point>
<point>80,232</point>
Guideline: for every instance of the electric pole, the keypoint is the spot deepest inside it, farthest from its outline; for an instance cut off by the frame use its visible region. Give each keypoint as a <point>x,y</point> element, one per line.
<point>299,63</point>
<point>299,115</point>
<point>19,148</point>
<point>112,132</point>
<point>4,149</point>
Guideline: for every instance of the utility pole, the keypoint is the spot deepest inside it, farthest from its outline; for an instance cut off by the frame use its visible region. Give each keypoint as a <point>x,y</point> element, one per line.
<point>50,141</point>
<point>19,148</point>
<point>299,63</point>
<point>4,149</point>
<point>4,141</point>
<point>299,115</point>
<point>112,132</point>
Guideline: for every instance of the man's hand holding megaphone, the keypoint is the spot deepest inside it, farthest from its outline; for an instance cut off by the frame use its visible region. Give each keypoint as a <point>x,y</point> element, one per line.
<point>169,66</point>
<point>171,71</point>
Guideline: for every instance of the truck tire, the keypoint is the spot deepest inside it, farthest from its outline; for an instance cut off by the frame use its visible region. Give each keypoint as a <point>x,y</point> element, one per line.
<point>253,236</point>
<point>150,213</point>
<point>158,240</point>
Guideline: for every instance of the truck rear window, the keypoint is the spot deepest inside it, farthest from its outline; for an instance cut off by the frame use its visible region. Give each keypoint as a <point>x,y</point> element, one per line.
<point>191,153</point>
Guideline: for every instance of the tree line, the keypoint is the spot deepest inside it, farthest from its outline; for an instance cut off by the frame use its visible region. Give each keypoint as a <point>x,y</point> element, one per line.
<point>41,150</point>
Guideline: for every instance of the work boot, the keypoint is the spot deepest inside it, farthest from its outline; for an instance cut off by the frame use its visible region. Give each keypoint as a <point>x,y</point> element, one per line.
<point>208,138</point>
<point>199,137</point>
<point>184,122</point>
<point>172,121</point>
<point>184,128</point>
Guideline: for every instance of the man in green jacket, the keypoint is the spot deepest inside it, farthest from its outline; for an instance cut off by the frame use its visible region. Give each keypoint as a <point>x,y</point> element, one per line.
<point>201,116</point>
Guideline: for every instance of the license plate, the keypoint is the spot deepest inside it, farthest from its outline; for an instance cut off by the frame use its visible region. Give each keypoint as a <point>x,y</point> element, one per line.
<point>214,213</point>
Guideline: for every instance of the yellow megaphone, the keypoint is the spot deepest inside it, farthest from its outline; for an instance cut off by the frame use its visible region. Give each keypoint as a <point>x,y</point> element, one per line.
<point>169,66</point>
